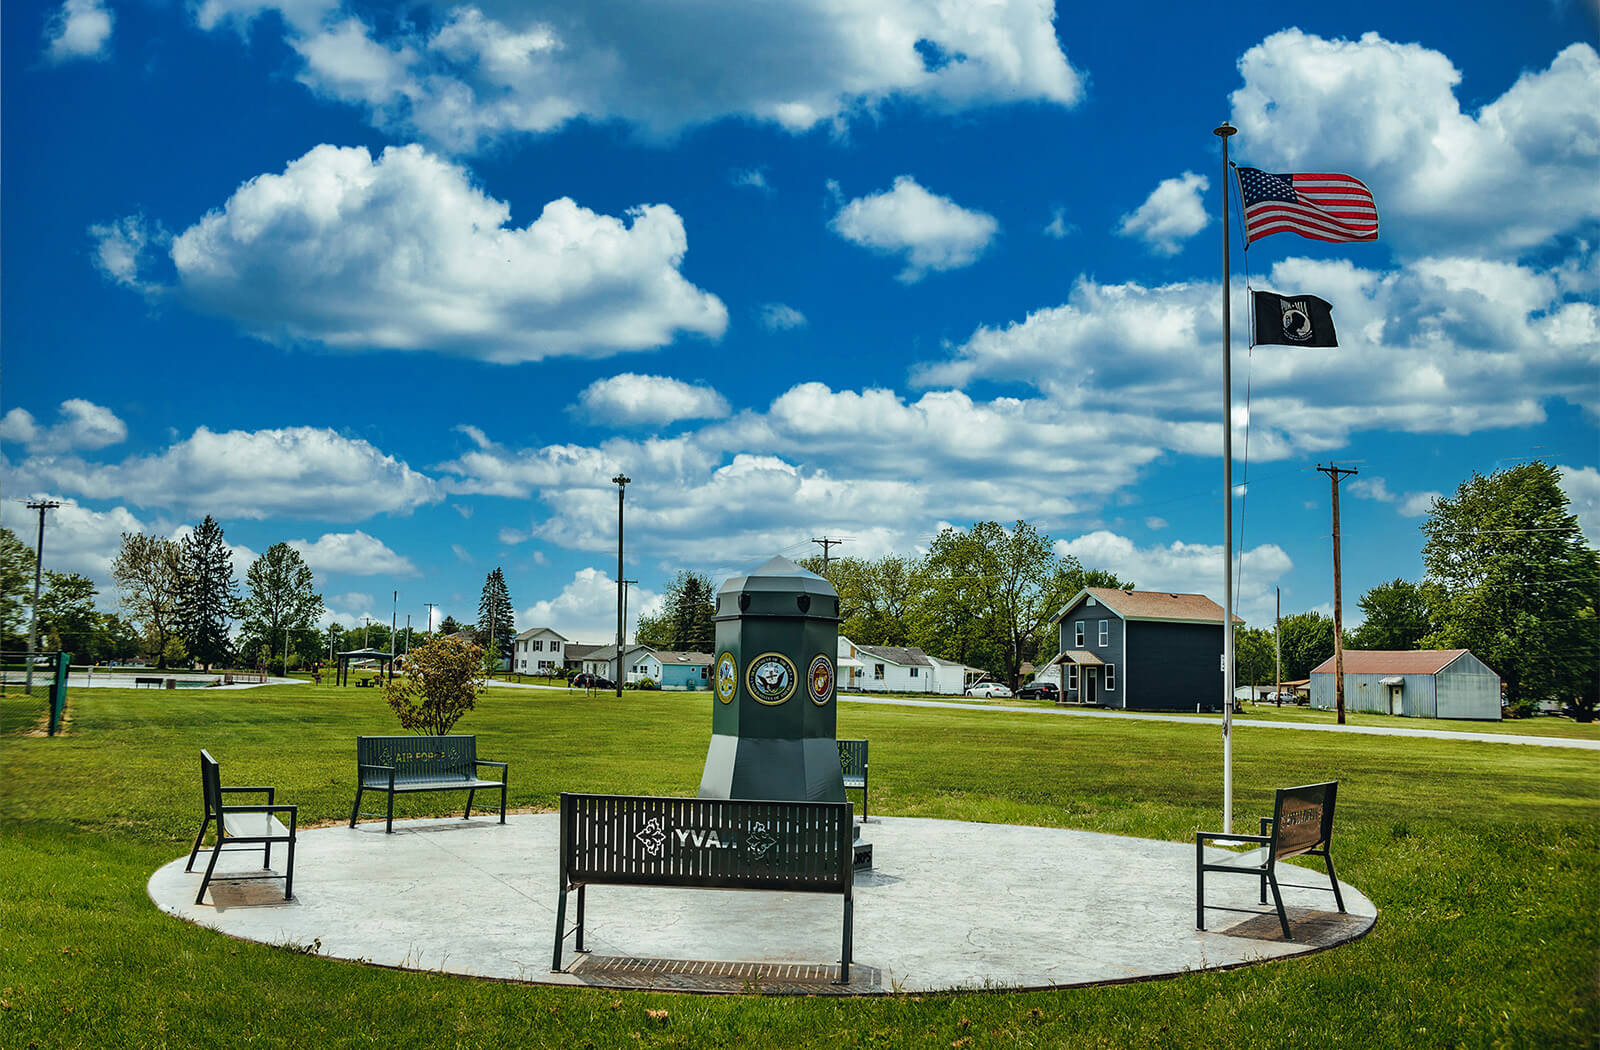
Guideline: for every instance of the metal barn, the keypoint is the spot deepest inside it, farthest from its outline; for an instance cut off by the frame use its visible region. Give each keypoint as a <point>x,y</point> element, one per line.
<point>1421,683</point>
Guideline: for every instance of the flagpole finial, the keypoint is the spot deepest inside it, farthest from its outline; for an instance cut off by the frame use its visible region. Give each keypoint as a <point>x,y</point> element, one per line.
<point>1225,129</point>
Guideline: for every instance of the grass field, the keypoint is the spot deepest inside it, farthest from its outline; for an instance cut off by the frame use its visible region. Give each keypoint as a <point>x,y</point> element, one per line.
<point>1484,860</point>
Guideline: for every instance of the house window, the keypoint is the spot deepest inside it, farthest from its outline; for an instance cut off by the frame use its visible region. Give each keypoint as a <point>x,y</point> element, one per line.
<point>1072,676</point>
<point>913,672</point>
<point>1105,632</point>
<point>1077,635</point>
<point>703,671</point>
<point>555,647</point>
<point>1111,677</point>
<point>877,672</point>
<point>538,645</point>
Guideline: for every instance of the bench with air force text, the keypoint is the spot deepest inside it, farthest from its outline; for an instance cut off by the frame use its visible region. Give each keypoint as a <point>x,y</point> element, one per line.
<point>422,763</point>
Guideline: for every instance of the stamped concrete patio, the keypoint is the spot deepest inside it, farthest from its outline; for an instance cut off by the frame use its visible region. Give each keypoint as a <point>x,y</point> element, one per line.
<point>951,905</point>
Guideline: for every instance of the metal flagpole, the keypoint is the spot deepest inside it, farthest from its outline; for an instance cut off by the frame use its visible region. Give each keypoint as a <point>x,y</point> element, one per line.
<point>1224,131</point>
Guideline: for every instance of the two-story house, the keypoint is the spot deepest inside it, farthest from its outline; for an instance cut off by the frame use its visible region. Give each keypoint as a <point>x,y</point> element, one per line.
<point>538,650</point>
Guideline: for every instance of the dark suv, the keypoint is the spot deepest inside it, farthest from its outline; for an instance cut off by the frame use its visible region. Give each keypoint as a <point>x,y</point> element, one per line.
<point>592,681</point>
<point>1039,691</point>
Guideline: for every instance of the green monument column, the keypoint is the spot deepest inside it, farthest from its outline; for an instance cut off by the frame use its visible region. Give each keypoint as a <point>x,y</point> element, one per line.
<point>773,714</point>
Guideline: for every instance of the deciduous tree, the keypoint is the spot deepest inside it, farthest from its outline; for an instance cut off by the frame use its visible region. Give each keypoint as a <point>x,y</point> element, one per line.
<point>67,616</point>
<point>1306,640</point>
<point>280,595</point>
<point>16,589</point>
<point>1397,617</point>
<point>442,681</point>
<point>149,575</point>
<point>1518,584</point>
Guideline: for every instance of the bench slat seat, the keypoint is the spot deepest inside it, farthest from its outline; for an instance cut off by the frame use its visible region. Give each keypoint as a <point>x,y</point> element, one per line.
<point>402,764</point>
<point>1301,825</point>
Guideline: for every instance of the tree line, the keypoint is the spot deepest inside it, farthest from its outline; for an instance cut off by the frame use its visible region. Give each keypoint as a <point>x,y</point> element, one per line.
<point>981,596</point>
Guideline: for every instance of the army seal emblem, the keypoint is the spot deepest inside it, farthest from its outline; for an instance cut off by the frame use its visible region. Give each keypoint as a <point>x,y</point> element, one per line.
<point>727,677</point>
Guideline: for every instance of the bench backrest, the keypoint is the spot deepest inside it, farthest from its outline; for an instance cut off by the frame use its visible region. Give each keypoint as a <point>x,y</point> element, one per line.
<point>420,757</point>
<point>635,840</point>
<point>1302,819</point>
<point>211,784</point>
<point>853,757</point>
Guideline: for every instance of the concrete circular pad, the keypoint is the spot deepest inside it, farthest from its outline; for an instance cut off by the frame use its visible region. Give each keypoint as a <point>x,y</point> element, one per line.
<point>950,905</point>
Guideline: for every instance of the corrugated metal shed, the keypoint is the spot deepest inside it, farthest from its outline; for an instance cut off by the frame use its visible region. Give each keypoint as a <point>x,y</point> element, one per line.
<point>1422,683</point>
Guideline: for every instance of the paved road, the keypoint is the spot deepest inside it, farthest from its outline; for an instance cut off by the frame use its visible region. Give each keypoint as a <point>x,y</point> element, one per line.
<point>1315,727</point>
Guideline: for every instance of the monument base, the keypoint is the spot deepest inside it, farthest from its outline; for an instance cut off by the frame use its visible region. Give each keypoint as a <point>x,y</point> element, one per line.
<point>802,770</point>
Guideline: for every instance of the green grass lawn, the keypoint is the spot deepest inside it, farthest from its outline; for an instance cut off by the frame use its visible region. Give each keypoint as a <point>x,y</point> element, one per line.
<point>1484,860</point>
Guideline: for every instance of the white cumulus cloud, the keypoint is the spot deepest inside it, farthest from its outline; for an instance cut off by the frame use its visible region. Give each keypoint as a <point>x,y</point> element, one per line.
<point>632,398</point>
<point>84,425</point>
<point>354,553</point>
<point>1511,177</point>
<point>1582,486</point>
<point>780,317</point>
<point>77,29</point>
<point>461,74</point>
<point>586,609</point>
<point>1174,212</point>
<point>1186,568</point>
<point>403,252</point>
<point>930,231</point>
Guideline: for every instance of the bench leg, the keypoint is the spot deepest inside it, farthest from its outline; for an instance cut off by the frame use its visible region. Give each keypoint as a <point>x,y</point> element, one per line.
<point>205,880</point>
<point>863,803</point>
<point>355,809</point>
<point>1334,879</point>
<point>561,923</point>
<point>266,855</point>
<point>1199,886</point>
<point>1277,900</point>
<point>197,840</point>
<point>288,875</point>
<point>388,819</point>
<point>578,943</point>
<point>502,801</point>
<point>844,955</point>
<point>468,812</point>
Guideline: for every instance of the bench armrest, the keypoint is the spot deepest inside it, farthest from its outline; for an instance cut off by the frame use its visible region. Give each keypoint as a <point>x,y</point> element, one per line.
<point>486,762</point>
<point>1205,836</point>
<point>1266,822</point>
<point>269,791</point>
<point>293,811</point>
<point>363,768</point>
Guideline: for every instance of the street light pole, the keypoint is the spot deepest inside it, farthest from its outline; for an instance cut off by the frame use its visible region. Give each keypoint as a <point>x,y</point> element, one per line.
<point>42,505</point>
<point>621,481</point>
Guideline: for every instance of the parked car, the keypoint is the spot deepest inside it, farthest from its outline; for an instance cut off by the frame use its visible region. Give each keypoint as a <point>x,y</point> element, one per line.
<point>990,689</point>
<point>592,681</point>
<point>1039,691</point>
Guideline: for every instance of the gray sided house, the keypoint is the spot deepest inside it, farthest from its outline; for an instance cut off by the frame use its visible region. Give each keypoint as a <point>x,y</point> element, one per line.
<point>1144,650</point>
<point>1422,683</point>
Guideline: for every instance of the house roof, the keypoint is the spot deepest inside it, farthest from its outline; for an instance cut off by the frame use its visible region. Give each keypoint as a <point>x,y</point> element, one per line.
<point>581,650</point>
<point>530,632</point>
<point>668,656</point>
<point>1082,657</point>
<point>1392,661</point>
<point>905,656</point>
<point>1166,606</point>
<point>609,652</point>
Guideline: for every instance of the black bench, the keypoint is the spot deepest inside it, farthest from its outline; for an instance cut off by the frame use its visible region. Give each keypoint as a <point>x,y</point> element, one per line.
<point>853,764</point>
<point>142,680</point>
<point>1301,824</point>
<point>702,843</point>
<point>421,763</point>
<point>241,824</point>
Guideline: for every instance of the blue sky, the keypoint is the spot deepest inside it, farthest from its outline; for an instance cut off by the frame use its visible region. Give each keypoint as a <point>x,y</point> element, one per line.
<point>407,289</point>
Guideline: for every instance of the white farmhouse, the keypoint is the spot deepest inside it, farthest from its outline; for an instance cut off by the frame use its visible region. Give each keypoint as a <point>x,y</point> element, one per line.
<point>538,650</point>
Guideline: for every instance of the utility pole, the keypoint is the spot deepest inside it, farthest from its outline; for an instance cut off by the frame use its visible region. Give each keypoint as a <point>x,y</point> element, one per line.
<point>408,632</point>
<point>621,482</point>
<point>1334,472</point>
<point>366,625</point>
<point>286,650</point>
<point>1277,648</point>
<point>394,621</point>
<point>40,505</point>
<point>826,544</point>
<point>625,585</point>
<point>430,619</point>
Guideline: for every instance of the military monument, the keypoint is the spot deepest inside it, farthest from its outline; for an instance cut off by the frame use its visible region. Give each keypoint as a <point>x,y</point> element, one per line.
<point>773,716</point>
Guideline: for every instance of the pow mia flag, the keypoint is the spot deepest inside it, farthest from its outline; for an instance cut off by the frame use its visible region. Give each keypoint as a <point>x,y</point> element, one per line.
<point>1294,320</point>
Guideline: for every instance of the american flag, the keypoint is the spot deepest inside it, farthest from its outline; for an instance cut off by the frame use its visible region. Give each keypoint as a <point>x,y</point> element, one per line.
<point>1324,206</point>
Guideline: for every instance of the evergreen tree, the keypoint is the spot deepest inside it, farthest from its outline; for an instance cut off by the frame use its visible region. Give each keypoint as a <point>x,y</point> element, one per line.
<point>281,596</point>
<point>209,595</point>
<point>686,622</point>
<point>449,625</point>
<point>497,625</point>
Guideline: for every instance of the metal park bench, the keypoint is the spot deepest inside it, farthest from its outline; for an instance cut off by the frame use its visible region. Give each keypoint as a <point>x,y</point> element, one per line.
<point>1301,824</point>
<point>154,683</point>
<point>701,843</point>
<point>421,763</point>
<point>242,825</point>
<point>853,764</point>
